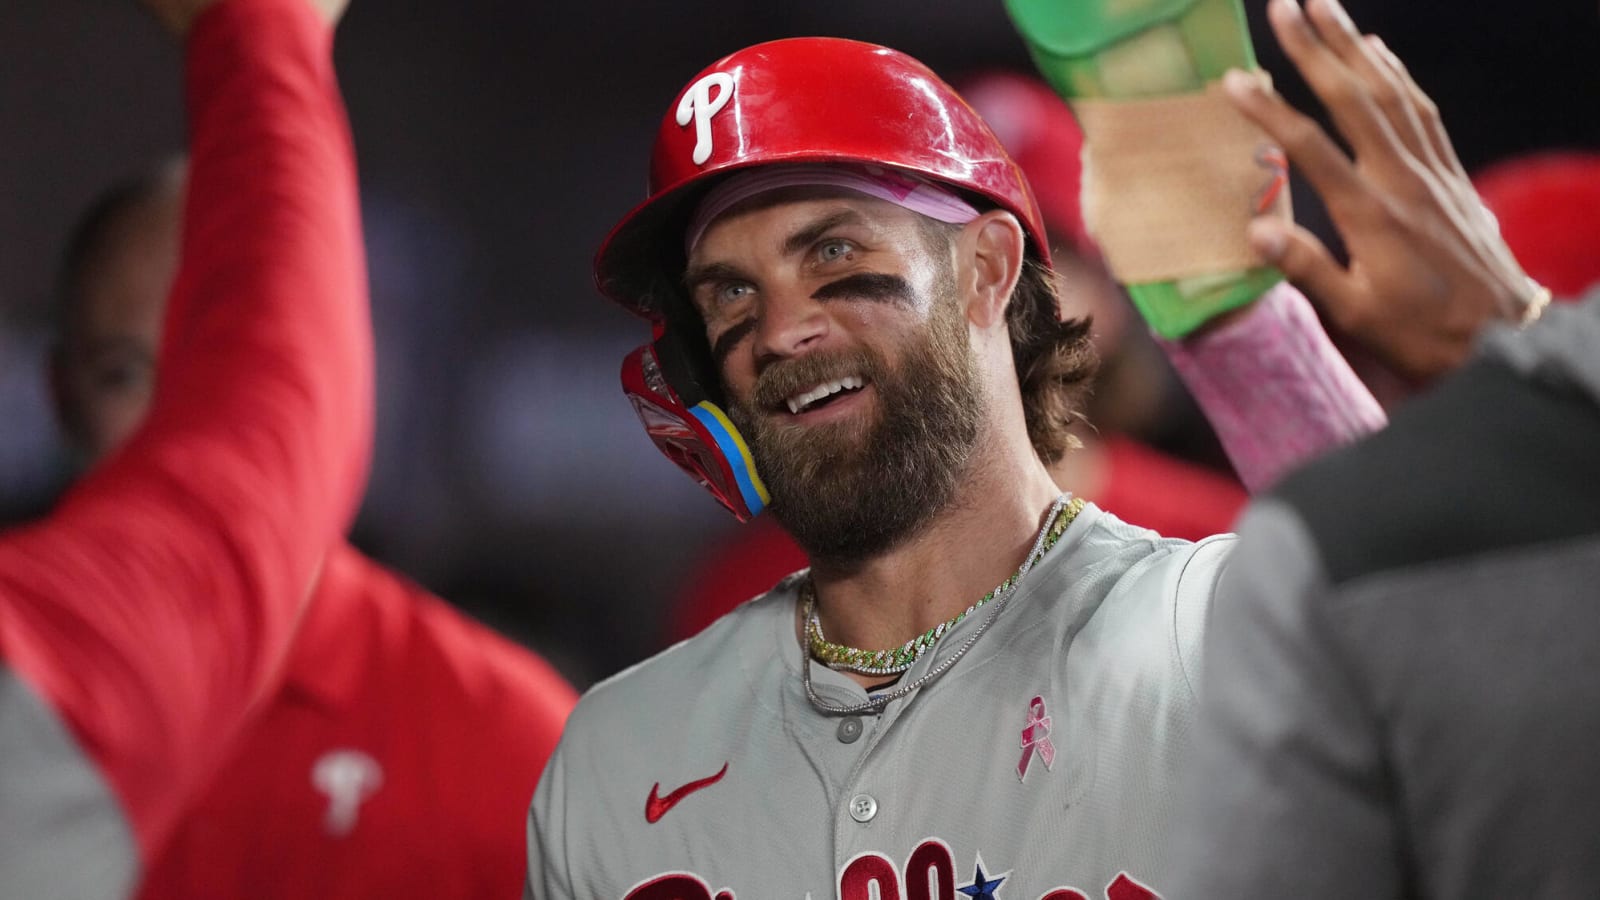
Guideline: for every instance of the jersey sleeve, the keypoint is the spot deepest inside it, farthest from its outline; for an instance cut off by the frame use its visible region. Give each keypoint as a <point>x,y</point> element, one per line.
<point>549,873</point>
<point>1287,747</point>
<point>154,606</point>
<point>1275,388</point>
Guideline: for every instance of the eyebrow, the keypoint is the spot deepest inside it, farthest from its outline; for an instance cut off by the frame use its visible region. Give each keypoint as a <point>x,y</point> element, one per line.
<point>794,243</point>
<point>717,271</point>
<point>809,234</point>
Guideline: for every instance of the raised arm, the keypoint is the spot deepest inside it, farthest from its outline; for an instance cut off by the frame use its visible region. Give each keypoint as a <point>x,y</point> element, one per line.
<point>140,620</point>
<point>1428,268</point>
<point>1427,271</point>
<point>1275,389</point>
<point>1172,176</point>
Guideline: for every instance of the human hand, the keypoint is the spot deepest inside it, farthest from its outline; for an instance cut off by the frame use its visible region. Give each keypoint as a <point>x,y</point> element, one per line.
<point>1427,265</point>
<point>178,15</point>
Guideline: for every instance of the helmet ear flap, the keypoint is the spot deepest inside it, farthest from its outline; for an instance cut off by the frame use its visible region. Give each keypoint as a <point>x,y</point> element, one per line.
<point>666,384</point>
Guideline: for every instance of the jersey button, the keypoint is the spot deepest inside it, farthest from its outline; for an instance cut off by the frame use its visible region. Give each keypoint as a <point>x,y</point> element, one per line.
<point>849,730</point>
<point>863,807</point>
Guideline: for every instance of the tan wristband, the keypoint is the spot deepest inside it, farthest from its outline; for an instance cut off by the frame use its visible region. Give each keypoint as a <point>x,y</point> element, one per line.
<point>1170,184</point>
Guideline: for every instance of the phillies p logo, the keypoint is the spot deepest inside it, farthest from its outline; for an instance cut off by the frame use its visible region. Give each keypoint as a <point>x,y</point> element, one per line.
<point>699,104</point>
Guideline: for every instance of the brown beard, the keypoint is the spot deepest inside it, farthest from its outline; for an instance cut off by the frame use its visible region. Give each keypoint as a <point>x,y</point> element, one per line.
<point>849,491</point>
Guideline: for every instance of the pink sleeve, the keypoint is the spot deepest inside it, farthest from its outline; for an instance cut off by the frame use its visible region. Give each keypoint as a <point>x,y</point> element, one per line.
<point>1274,387</point>
<point>154,606</point>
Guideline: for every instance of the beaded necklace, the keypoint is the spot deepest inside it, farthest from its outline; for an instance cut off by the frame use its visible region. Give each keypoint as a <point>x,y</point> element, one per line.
<point>897,660</point>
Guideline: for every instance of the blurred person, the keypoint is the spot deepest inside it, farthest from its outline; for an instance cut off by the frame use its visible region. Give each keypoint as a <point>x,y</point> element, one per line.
<point>401,751</point>
<point>1399,695</point>
<point>730,570</point>
<point>854,325</point>
<point>145,614</point>
<point>1109,466</point>
<point>1548,208</point>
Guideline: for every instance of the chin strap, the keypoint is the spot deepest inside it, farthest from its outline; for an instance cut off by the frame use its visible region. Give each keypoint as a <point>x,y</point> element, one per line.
<point>730,446</point>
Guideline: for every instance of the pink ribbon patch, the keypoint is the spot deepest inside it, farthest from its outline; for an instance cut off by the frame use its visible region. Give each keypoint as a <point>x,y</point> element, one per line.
<point>1036,739</point>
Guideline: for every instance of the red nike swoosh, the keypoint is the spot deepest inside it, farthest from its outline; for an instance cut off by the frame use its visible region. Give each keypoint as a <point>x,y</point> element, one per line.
<point>656,807</point>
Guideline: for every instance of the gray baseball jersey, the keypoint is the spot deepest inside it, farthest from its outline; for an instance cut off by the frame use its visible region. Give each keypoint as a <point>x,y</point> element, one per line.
<point>1042,765</point>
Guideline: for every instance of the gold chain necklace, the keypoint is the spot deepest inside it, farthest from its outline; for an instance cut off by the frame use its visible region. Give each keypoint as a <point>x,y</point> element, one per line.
<point>896,660</point>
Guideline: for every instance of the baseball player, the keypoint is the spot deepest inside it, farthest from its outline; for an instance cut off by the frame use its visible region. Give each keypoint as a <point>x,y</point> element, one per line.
<point>1134,481</point>
<point>141,619</point>
<point>981,687</point>
<point>405,742</point>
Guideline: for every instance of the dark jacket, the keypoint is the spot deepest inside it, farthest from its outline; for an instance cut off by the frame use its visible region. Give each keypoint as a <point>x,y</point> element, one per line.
<point>1401,696</point>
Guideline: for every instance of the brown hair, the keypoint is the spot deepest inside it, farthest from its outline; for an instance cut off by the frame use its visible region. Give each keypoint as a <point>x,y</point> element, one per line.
<point>1056,361</point>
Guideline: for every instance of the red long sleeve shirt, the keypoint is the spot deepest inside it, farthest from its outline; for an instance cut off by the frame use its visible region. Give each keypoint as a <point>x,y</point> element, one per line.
<point>143,618</point>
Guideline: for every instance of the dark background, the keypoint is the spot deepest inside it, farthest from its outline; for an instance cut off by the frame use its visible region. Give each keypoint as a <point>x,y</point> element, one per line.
<point>498,141</point>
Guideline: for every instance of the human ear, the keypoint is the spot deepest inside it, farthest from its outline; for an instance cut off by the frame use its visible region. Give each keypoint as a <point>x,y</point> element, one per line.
<point>992,254</point>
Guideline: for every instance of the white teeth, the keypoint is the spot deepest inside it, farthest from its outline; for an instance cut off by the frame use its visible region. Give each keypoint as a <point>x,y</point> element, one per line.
<point>806,398</point>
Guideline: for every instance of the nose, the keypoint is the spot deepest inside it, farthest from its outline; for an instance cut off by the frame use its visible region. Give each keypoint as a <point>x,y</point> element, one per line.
<point>791,322</point>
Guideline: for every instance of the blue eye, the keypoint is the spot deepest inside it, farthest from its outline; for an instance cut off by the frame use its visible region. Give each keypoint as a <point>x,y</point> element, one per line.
<point>835,250</point>
<point>732,293</point>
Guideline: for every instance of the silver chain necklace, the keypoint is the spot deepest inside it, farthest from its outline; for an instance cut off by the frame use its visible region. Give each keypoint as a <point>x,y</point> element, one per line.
<point>876,702</point>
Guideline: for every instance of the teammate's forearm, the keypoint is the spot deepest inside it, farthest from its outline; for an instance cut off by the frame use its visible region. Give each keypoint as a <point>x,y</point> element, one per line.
<point>1274,387</point>
<point>272,290</point>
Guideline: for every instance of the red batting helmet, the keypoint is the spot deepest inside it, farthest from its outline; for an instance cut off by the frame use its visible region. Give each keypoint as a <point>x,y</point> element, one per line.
<point>1548,205</point>
<point>802,100</point>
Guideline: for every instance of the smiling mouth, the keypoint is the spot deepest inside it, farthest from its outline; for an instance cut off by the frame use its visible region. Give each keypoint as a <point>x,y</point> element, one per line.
<point>824,394</point>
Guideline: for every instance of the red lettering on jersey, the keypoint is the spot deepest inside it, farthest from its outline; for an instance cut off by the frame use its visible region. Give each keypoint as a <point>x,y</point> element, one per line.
<point>1125,888</point>
<point>864,872</point>
<point>674,886</point>
<point>931,872</point>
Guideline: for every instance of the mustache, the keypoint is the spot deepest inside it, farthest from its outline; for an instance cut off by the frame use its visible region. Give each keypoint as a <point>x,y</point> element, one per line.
<point>876,287</point>
<point>782,380</point>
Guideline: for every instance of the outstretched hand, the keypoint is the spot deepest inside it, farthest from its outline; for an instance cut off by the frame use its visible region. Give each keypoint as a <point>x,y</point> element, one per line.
<point>1427,265</point>
<point>178,15</point>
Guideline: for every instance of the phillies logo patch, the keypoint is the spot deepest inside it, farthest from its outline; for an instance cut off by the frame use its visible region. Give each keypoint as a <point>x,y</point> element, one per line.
<point>699,104</point>
<point>929,873</point>
<point>348,778</point>
<point>1036,739</point>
